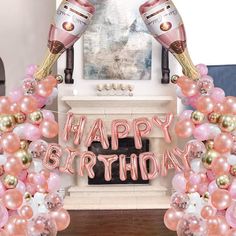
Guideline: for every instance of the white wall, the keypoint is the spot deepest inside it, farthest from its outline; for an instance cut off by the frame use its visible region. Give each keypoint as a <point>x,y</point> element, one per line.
<point>24,26</point>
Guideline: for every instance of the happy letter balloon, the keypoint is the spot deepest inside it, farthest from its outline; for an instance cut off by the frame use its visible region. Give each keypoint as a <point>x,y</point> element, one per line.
<point>165,24</point>
<point>71,20</point>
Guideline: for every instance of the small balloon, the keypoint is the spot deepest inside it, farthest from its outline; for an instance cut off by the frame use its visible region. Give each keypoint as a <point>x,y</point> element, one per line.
<point>61,217</point>
<point>180,201</point>
<point>53,201</point>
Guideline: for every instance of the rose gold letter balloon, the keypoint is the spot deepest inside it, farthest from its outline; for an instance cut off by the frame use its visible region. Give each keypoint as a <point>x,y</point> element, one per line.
<point>87,161</point>
<point>165,24</point>
<point>71,20</point>
<point>132,167</point>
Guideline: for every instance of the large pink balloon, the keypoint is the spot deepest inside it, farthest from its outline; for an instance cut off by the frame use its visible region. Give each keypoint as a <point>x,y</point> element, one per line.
<point>205,104</point>
<point>49,128</point>
<point>230,105</point>
<point>231,232</point>
<point>28,131</point>
<point>48,115</point>
<point>10,142</point>
<point>221,199</point>
<point>185,115</point>
<point>12,199</point>
<point>172,218</point>
<point>54,182</point>
<point>218,95</point>
<point>13,166</point>
<point>61,217</point>
<point>28,104</point>
<point>223,142</point>
<point>44,88</point>
<point>202,69</point>
<point>201,132</point>
<point>179,183</point>
<point>184,128</point>
<point>220,166</point>
<point>230,216</point>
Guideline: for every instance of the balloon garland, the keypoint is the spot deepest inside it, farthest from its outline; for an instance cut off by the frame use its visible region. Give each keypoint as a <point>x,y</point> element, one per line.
<point>29,200</point>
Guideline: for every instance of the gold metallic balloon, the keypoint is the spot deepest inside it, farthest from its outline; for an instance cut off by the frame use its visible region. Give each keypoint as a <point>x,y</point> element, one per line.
<point>174,79</point>
<point>209,144</point>
<point>36,117</point>
<point>25,158</point>
<point>227,123</point>
<point>59,79</point>
<point>209,156</point>
<point>7,123</point>
<point>206,196</point>
<point>214,117</point>
<point>27,196</point>
<point>10,181</point>
<point>233,170</point>
<point>2,171</point>
<point>223,181</point>
<point>24,144</point>
<point>197,117</point>
<point>20,118</point>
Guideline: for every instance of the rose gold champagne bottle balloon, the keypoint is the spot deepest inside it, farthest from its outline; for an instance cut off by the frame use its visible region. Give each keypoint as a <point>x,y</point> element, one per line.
<point>165,24</point>
<point>71,20</point>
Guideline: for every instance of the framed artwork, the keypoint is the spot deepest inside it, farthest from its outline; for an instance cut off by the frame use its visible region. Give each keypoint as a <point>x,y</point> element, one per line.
<point>117,44</point>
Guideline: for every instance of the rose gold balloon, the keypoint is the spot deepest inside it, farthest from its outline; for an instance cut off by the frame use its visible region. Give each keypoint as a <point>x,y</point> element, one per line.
<point>14,108</point>
<point>44,88</point>
<point>205,104</point>
<point>212,226</point>
<point>26,212</point>
<point>3,232</point>
<point>28,104</point>
<point>220,166</point>
<point>62,218</point>
<point>184,128</point>
<point>207,211</point>
<point>189,88</point>
<point>171,218</point>
<point>51,80</point>
<point>223,142</point>
<point>10,142</point>
<point>13,166</point>
<point>16,226</point>
<point>5,104</point>
<point>230,105</point>
<point>12,199</point>
<point>49,129</point>
<point>219,108</point>
<point>231,232</point>
<point>221,199</point>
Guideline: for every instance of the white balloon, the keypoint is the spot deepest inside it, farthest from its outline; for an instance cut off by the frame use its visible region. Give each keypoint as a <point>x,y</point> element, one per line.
<point>231,159</point>
<point>196,166</point>
<point>3,159</point>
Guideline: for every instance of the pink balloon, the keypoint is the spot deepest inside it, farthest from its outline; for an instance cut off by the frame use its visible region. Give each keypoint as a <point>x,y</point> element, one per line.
<point>41,100</point>
<point>26,212</point>
<point>223,142</point>
<point>48,115</point>
<point>212,187</point>
<point>13,166</point>
<point>49,128</point>
<point>220,166</point>
<point>28,131</point>
<point>21,187</point>
<point>221,199</point>
<point>179,183</point>
<point>3,216</point>
<point>5,104</point>
<point>201,132</point>
<point>184,128</point>
<point>172,218</point>
<point>192,101</point>
<point>2,189</point>
<point>10,142</point>
<point>31,69</point>
<point>230,105</point>
<point>202,69</point>
<point>12,199</point>
<point>205,104</point>
<point>51,80</point>
<point>207,211</point>
<point>231,232</point>
<point>232,189</point>
<point>16,95</point>
<point>44,88</point>
<point>219,107</point>
<point>61,217</point>
<point>54,182</point>
<point>230,216</point>
<point>185,115</point>
<point>218,95</point>
<point>22,176</point>
<point>28,104</point>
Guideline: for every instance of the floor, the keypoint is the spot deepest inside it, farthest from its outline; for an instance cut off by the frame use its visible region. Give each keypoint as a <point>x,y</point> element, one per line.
<point>117,223</point>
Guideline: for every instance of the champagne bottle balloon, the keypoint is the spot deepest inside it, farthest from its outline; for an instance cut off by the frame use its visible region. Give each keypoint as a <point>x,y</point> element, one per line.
<point>165,24</point>
<point>71,20</point>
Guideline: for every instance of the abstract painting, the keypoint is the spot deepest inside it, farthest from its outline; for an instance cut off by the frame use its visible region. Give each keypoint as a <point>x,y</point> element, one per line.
<point>117,44</point>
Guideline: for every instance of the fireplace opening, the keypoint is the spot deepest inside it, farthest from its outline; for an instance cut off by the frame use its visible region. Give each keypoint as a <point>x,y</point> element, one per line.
<point>126,147</point>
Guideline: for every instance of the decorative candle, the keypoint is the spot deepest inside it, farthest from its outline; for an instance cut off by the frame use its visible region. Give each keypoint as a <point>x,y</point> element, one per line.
<point>165,24</point>
<point>71,20</point>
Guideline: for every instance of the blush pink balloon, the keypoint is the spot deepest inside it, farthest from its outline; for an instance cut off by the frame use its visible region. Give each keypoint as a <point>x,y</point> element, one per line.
<point>28,104</point>
<point>207,211</point>
<point>221,199</point>
<point>201,132</point>
<point>26,212</point>
<point>218,95</point>
<point>21,187</point>
<point>5,104</point>
<point>190,89</point>
<point>202,69</point>
<point>220,166</point>
<point>3,216</point>
<point>172,218</point>
<point>184,128</point>
<point>61,217</point>
<point>51,80</point>
<point>212,187</point>
<point>16,95</point>
<point>41,100</point>
<point>12,199</point>
<point>31,69</point>
<point>10,142</point>
<point>205,104</point>
<point>14,108</point>
<point>232,189</point>
<point>49,128</point>
<point>2,189</point>
<point>48,115</point>
<point>219,108</point>
<point>22,176</point>
<point>231,232</point>
<point>185,115</point>
<point>54,182</point>
<point>230,216</point>
<point>230,105</point>
<point>179,182</point>
<point>44,88</point>
<point>13,166</point>
<point>223,226</point>
<point>223,142</point>
<point>28,131</point>
<point>192,101</point>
